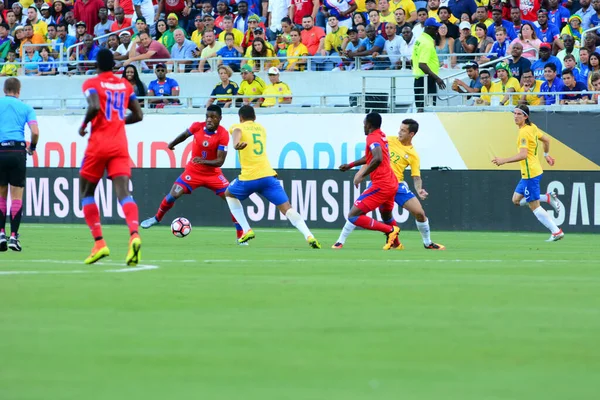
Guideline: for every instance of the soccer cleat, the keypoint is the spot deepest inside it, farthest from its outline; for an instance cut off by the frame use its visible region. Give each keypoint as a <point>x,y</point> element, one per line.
<point>99,251</point>
<point>313,243</point>
<point>556,236</point>
<point>243,244</point>
<point>134,254</point>
<point>247,236</point>
<point>337,245</point>
<point>391,237</point>
<point>148,223</point>
<point>3,245</point>
<point>398,245</point>
<point>14,244</point>
<point>553,201</point>
<point>434,246</point>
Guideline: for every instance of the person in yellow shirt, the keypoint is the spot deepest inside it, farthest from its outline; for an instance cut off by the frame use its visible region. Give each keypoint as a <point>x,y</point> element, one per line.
<point>238,36</point>
<point>296,52</point>
<point>433,7</point>
<point>197,34</point>
<point>249,138</point>
<point>385,14</point>
<point>486,84</point>
<point>276,88</point>
<point>506,84</point>
<point>10,68</point>
<point>530,85</point>
<point>527,191</point>
<point>251,85</point>
<point>39,26</point>
<point>410,10</point>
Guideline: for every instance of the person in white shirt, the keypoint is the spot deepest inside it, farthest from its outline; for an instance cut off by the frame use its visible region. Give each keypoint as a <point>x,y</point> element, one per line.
<point>393,46</point>
<point>419,26</point>
<point>408,42</point>
<point>278,9</point>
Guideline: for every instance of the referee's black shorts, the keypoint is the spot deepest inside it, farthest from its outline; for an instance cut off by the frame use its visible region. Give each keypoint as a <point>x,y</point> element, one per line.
<point>13,159</point>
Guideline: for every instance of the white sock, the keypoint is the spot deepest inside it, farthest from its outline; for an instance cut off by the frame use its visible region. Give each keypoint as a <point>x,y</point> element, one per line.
<point>298,222</point>
<point>544,198</point>
<point>545,219</point>
<point>523,202</point>
<point>423,228</point>
<point>346,231</point>
<point>235,206</point>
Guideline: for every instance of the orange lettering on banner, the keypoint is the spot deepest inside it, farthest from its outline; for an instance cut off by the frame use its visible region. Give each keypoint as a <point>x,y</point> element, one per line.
<point>155,147</point>
<point>57,147</point>
<point>140,155</point>
<point>73,155</point>
<point>186,154</point>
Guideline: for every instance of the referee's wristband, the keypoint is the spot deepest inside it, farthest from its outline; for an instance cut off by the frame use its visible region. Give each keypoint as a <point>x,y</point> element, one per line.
<point>546,154</point>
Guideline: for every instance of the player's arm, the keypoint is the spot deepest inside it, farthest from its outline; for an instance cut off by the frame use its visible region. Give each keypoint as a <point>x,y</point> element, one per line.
<point>182,137</point>
<point>546,143</point>
<point>236,136</point>
<point>520,156</point>
<point>360,161</point>
<point>93,109</point>
<point>377,154</point>
<point>136,114</point>
<point>217,162</point>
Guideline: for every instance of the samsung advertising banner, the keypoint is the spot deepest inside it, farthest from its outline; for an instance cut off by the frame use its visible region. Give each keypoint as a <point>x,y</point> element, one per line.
<point>459,200</point>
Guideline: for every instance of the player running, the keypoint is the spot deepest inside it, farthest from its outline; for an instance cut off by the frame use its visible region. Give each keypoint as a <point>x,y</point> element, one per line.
<point>402,155</point>
<point>209,151</point>
<point>108,98</point>
<point>528,189</point>
<point>380,194</point>
<point>257,176</point>
<point>14,114</point>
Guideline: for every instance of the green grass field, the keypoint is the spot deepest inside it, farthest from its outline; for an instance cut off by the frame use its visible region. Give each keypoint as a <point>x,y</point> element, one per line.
<point>496,316</point>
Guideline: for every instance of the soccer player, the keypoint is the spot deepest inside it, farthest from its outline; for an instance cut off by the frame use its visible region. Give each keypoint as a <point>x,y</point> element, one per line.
<point>108,96</point>
<point>14,114</point>
<point>257,176</point>
<point>528,189</point>
<point>402,155</point>
<point>380,194</point>
<point>204,169</point>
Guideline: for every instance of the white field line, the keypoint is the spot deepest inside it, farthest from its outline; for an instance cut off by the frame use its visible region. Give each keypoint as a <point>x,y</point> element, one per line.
<point>77,271</point>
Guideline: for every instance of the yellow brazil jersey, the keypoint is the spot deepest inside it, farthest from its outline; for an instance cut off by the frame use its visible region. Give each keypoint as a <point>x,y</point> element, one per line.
<point>293,53</point>
<point>9,69</point>
<point>280,89</point>
<point>529,136</point>
<point>197,38</point>
<point>407,5</point>
<point>533,99</point>
<point>334,40</point>
<point>401,157</point>
<point>255,88</point>
<point>499,87</point>
<point>253,159</point>
<point>486,97</point>
<point>387,18</point>
<point>41,28</point>
<point>361,6</point>
<point>238,36</point>
<point>434,14</point>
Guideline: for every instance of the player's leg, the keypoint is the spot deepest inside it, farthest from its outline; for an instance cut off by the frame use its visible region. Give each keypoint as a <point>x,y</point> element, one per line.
<point>178,189</point>
<point>219,184</point>
<point>387,215</point>
<point>550,198</point>
<point>414,206</point>
<point>3,212</point>
<point>91,214</point>
<point>346,231</point>
<point>12,178</point>
<point>235,193</point>
<point>130,209</point>
<point>532,196</point>
<point>16,212</point>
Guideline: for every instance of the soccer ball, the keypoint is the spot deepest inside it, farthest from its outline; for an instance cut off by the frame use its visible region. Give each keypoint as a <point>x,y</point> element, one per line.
<point>181,227</point>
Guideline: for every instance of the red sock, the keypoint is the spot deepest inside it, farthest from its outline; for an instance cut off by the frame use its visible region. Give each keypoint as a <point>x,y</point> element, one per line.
<point>130,209</point>
<point>92,217</point>
<point>238,228</point>
<point>165,205</point>
<point>373,225</point>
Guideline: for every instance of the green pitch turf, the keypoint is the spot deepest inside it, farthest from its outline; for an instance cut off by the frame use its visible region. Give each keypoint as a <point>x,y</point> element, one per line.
<point>496,316</point>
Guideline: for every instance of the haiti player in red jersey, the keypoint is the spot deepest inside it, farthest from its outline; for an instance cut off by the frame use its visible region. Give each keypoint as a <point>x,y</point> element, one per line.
<point>108,98</point>
<point>384,184</point>
<point>209,151</point>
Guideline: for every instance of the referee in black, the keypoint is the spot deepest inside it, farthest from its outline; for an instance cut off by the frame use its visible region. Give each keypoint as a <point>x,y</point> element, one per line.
<point>14,114</point>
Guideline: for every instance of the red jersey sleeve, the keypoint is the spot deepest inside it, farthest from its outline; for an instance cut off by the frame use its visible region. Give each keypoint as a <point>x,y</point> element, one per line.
<point>89,87</point>
<point>195,128</point>
<point>223,139</point>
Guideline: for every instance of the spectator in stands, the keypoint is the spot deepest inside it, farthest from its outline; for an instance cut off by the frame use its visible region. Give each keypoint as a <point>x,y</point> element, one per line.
<point>211,46</point>
<point>499,47</point>
<point>161,28</point>
<point>231,53</point>
<point>131,74</point>
<point>465,44</point>
<point>10,67</point>
<point>571,85</point>
<point>342,10</point>
<point>71,24</point>
<point>371,48</point>
<point>547,33</point>
<point>552,84</point>
<point>506,84</point>
<point>530,85</point>
<point>569,48</point>
<point>593,66</point>
<point>590,42</point>
<point>408,43</point>
<point>207,8</point>
<point>167,39</point>
<point>558,15</point>
<point>313,37</point>
<point>351,45</point>
<point>162,86</point>
<point>112,43</point>
<point>120,21</point>
<point>445,46</point>
<point>63,41</point>
<point>376,22</point>
<point>447,19</point>
<point>529,40</point>
<point>5,41</point>
<point>17,39</point>
<point>517,63</point>
<point>400,20</point>
<point>147,50</point>
<point>260,49</point>
<point>486,86</point>
<point>419,26</point>
<point>457,7</point>
<point>175,7</point>
<point>585,13</point>
<point>125,46</point>
<point>30,60</point>
<point>571,64</point>
<point>228,28</point>
<point>87,11</point>
<point>209,25</point>
<point>145,8</point>
<point>545,57</point>
<point>102,27</point>
<point>484,43</point>
<point>46,14</point>
<point>278,9</point>
<point>30,38</point>
<point>47,67</point>
<point>385,15</point>
<point>276,88</point>
<point>333,43</point>
<point>529,9</point>
<point>358,18</point>
<point>480,17</point>
<point>515,18</point>
<point>474,85</point>
<point>110,5</point>
<point>140,25</point>
<point>80,30</point>
<point>499,22</point>
<point>39,26</point>
<point>222,11</point>
<point>296,53</point>
<point>18,10</point>
<point>595,79</point>
<point>409,8</point>
<point>253,23</point>
<point>426,65</point>
<point>393,46</point>
<point>197,33</point>
<point>301,8</point>
<point>11,21</point>
<point>251,85</point>
<point>58,10</point>
<point>223,91</point>
<point>241,20</point>
<point>182,49</point>
<point>51,38</point>
<point>584,59</point>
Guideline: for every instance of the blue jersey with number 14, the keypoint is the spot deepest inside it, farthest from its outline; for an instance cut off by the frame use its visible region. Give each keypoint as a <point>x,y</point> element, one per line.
<point>108,127</point>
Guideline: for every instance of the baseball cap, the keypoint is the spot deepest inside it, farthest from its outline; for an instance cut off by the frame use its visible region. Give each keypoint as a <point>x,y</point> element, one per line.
<point>497,8</point>
<point>546,46</point>
<point>81,23</point>
<point>471,64</point>
<point>259,30</point>
<point>124,33</point>
<point>18,27</point>
<point>273,71</point>
<point>43,7</point>
<point>254,17</point>
<point>246,68</point>
<point>432,22</point>
<point>18,4</point>
<point>464,25</point>
<point>160,65</point>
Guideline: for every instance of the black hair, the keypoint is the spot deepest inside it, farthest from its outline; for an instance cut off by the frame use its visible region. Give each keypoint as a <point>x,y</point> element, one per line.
<point>214,108</point>
<point>286,20</point>
<point>526,71</point>
<point>550,65</point>
<point>413,126</point>
<point>444,8</point>
<point>374,120</point>
<point>421,9</point>
<point>141,89</point>
<point>247,113</point>
<point>105,60</point>
<point>484,71</point>
<point>567,71</point>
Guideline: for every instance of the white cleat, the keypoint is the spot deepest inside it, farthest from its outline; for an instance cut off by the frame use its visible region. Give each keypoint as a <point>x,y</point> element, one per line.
<point>148,223</point>
<point>556,236</point>
<point>553,201</point>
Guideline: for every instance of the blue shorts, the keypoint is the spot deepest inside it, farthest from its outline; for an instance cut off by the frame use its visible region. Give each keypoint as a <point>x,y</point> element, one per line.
<point>530,188</point>
<point>403,194</point>
<point>269,187</point>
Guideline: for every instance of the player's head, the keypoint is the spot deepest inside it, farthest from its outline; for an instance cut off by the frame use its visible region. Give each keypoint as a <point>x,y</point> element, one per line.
<point>247,113</point>
<point>213,117</point>
<point>372,122</point>
<point>12,87</point>
<point>408,129</point>
<point>105,60</point>
<point>521,115</point>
